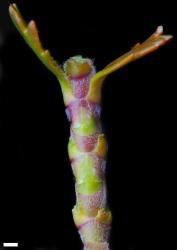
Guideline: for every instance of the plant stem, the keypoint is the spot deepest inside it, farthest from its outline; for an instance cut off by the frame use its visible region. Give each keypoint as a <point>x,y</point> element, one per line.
<point>81,88</point>
<point>87,151</point>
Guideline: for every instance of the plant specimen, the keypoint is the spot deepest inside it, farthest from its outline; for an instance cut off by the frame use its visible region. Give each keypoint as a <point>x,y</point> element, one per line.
<point>87,147</point>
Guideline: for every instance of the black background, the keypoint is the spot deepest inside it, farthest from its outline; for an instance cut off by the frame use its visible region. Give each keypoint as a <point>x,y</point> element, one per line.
<point>139,111</point>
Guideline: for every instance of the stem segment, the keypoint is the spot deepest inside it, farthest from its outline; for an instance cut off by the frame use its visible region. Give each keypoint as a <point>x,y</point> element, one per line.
<point>87,151</point>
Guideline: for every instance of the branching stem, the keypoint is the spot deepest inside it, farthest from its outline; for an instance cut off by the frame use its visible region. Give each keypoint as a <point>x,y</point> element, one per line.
<point>81,88</point>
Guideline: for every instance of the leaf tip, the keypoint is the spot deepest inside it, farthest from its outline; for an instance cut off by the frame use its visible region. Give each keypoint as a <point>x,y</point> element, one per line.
<point>159,30</point>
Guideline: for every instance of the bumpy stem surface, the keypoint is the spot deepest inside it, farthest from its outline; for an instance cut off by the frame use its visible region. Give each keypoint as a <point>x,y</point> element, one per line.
<point>81,88</point>
<point>87,151</point>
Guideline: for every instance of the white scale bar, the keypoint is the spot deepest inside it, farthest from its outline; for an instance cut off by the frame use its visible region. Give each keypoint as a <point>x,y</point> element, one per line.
<point>10,244</point>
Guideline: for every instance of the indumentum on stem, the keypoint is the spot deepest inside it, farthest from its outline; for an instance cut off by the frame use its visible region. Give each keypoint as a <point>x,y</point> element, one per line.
<point>87,147</point>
